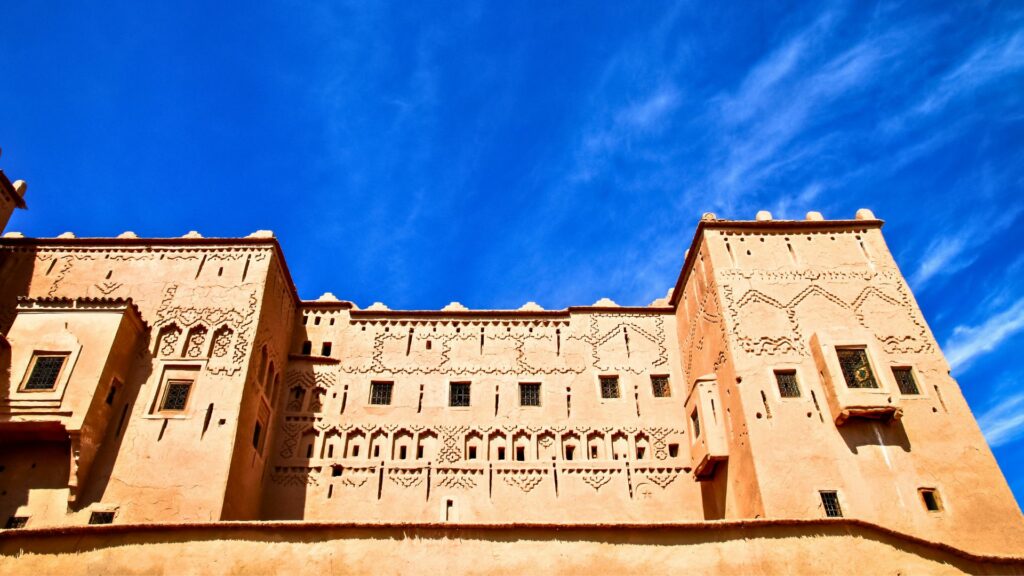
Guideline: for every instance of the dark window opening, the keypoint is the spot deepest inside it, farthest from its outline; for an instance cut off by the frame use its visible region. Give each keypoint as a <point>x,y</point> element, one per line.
<point>111,394</point>
<point>501,453</point>
<point>458,394</point>
<point>856,368</point>
<point>609,386</point>
<point>376,452</point>
<point>309,451</point>
<point>428,344</point>
<point>673,450</point>
<point>380,392</point>
<point>788,387</point>
<point>830,500</point>
<point>660,387</point>
<point>419,453</point>
<point>520,453</point>
<point>472,453</point>
<point>101,518</point>
<point>45,372</point>
<point>355,451</point>
<point>316,320</point>
<point>15,522</point>
<point>529,394</point>
<point>593,452</point>
<point>931,499</point>
<point>570,451</point>
<point>401,453</point>
<point>695,422</point>
<point>176,395</point>
<point>336,471</point>
<point>325,349</point>
<point>307,348</point>
<point>256,432</point>
<point>640,452</point>
<point>905,380</point>
<point>330,451</point>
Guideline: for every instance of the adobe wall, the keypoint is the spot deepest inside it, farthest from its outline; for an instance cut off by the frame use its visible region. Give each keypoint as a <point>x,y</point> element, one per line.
<point>751,548</point>
<point>779,287</point>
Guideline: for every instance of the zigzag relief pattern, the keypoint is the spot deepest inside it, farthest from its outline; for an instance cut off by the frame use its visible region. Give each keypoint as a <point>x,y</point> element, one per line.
<point>712,321</point>
<point>294,476</point>
<point>917,341</point>
<point>525,480</point>
<point>308,377</point>
<point>646,327</point>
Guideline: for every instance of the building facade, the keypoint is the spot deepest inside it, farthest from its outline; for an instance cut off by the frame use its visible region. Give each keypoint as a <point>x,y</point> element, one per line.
<point>788,382</point>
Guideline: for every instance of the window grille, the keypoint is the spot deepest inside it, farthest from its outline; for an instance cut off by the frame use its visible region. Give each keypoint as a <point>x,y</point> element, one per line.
<point>380,393</point>
<point>529,394</point>
<point>830,500</point>
<point>176,396</point>
<point>788,387</point>
<point>660,387</point>
<point>15,522</point>
<point>101,518</point>
<point>609,386</point>
<point>856,368</point>
<point>458,394</point>
<point>44,373</point>
<point>905,380</point>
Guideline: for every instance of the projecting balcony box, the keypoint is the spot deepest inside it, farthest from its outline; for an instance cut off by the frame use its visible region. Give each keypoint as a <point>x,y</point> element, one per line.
<point>849,365</point>
<point>68,360</point>
<point>708,445</point>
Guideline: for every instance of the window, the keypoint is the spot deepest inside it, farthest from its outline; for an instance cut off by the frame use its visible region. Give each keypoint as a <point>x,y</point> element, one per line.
<point>788,387</point>
<point>176,395</point>
<point>101,518</point>
<point>380,393</point>
<point>695,422</point>
<point>501,453</point>
<point>640,452</point>
<point>15,522</point>
<point>930,497</point>
<point>673,450</point>
<point>830,500</point>
<point>609,386</point>
<point>112,393</point>
<point>660,387</point>
<point>905,380</point>
<point>44,373</point>
<point>520,453</point>
<point>257,436</point>
<point>325,349</point>
<point>402,453</point>
<point>419,452</point>
<point>569,452</point>
<point>307,348</point>
<point>856,368</point>
<point>529,394</point>
<point>593,452</point>
<point>458,394</point>
<point>336,471</point>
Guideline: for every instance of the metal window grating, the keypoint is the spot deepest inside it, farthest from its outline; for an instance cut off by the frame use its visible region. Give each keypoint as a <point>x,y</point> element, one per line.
<point>609,386</point>
<point>856,368</point>
<point>830,500</point>
<point>101,518</point>
<point>458,394</point>
<point>44,373</point>
<point>529,394</point>
<point>176,396</point>
<point>905,380</point>
<point>380,393</point>
<point>788,387</point>
<point>660,387</point>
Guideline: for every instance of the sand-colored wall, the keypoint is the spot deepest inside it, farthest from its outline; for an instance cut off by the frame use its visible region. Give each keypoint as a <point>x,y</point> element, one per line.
<point>808,548</point>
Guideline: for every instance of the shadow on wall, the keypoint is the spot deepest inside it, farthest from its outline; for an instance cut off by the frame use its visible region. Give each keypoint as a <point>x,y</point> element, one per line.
<point>713,492</point>
<point>121,415</point>
<point>858,433</point>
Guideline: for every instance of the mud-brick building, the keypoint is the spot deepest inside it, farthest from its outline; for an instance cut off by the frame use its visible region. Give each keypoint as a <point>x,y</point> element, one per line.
<point>173,405</point>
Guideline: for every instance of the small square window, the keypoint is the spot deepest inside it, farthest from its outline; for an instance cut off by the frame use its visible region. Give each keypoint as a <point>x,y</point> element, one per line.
<point>402,452</point>
<point>44,373</point>
<point>380,393</point>
<point>472,453</point>
<point>458,394</point>
<point>257,436</point>
<point>673,450</point>
<point>520,453</point>
<point>325,349</point>
<point>176,395</point>
<point>660,387</point>
<point>930,497</point>
<point>830,500</point>
<point>101,518</point>
<point>905,380</point>
<point>640,452</point>
<point>856,368</point>
<point>529,394</point>
<point>788,387</point>
<point>307,348</point>
<point>16,522</point>
<point>570,451</point>
<point>695,423</point>
<point>609,387</point>
<point>336,471</point>
<point>501,453</point>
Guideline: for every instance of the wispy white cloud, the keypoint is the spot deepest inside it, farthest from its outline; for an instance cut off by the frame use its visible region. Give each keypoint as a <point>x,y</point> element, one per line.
<point>993,59</point>
<point>1003,423</point>
<point>968,343</point>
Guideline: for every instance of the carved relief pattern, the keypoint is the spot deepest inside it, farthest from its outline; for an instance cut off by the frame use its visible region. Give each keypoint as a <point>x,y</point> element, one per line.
<point>452,438</point>
<point>221,341</point>
<point>457,479</point>
<point>525,480</point>
<point>405,478</point>
<point>188,315</point>
<point>196,342</point>
<point>169,336</point>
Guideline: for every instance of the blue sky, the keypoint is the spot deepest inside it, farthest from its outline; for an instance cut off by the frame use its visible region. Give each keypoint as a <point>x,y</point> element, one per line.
<point>495,153</point>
